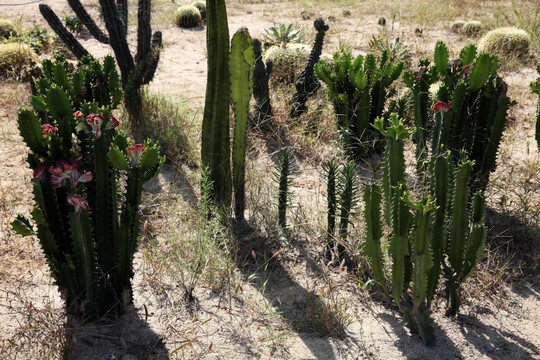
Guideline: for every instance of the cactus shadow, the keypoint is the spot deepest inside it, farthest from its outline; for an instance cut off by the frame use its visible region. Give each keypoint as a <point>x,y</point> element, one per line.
<point>128,336</point>
<point>298,307</point>
<point>495,343</point>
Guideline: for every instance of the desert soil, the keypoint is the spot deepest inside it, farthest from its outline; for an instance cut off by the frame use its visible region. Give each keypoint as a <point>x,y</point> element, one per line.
<point>274,312</point>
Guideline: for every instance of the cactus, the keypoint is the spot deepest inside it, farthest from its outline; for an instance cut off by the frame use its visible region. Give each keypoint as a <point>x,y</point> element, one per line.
<point>261,90</point>
<point>86,224</point>
<point>135,71</point>
<point>307,84</point>
<point>348,197</point>
<point>281,34</point>
<point>535,87</point>
<point>506,42</point>
<point>188,16</point>
<point>472,28</point>
<point>215,146</point>
<point>201,6</point>
<point>358,91</point>
<point>382,21</point>
<point>286,62</point>
<point>241,62</point>
<point>14,56</point>
<point>330,169</point>
<point>285,165</point>
<point>457,26</point>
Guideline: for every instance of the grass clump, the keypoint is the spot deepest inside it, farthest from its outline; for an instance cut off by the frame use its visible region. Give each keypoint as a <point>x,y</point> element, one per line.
<point>506,42</point>
<point>14,56</point>
<point>188,16</point>
<point>472,28</point>
<point>288,61</point>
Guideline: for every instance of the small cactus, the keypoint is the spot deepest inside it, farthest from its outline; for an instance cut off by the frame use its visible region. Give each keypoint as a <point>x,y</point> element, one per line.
<point>472,28</point>
<point>285,167</point>
<point>188,16</point>
<point>382,21</point>
<point>457,26</point>
<point>287,62</point>
<point>506,42</point>
<point>201,6</point>
<point>14,56</point>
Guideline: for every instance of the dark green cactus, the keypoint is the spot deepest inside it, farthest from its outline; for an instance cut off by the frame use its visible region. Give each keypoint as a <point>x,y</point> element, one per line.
<point>535,87</point>
<point>135,71</point>
<point>359,91</point>
<point>261,90</point>
<point>307,83</point>
<point>330,169</point>
<point>348,197</point>
<point>215,146</point>
<point>285,166</point>
<point>87,226</point>
<point>241,62</point>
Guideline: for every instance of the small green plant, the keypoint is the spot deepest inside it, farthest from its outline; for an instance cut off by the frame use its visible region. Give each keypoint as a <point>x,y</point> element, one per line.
<point>285,167</point>
<point>72,23</point>
<point>261,89</point>
<point>473,28</point>
<point>358,90</point>
<point>535,87</point>
<point>307,83</point>
<point>507,42</point>
<point>87,225</point>
<point>201,6</point>
<point>188,16</point>
<point>281,34</point>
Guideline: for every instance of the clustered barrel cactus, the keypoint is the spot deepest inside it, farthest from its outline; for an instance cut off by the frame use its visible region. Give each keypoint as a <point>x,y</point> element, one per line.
<point>87,181</point>
<point>437,232</point>
<point>358,90</point>
<point>135,70</point>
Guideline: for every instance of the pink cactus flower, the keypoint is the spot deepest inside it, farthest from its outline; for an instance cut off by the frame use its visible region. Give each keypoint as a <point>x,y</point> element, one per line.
<point>68,170</point>
<point>39,173</point>
<point>79,116</point>
<point>135,153</point>
<point>466,70</point>
<point>442,107</point>
<point>46,129</point>
<point>454,63</point>
<point>421,72</point>
<point>78,202</point>
<point>113,123</point>
<point>95,121</point>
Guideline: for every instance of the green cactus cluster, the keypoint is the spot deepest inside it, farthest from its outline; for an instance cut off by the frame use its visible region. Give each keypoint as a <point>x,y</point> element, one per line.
<point>358,90</point>
<point>436,233</point>
<point>535,87</point>
<point>86,223</point>
<point>470,112</point>
<point>307,83</point>
<point>261,88</point>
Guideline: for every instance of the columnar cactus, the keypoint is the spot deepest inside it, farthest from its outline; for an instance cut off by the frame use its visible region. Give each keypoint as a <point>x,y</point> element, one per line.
<point>87,226</point>
<point>535,87</point>
<point>348,197</point>
<point>285,166</point>
<point>307,83</point>
<point>261,89</point>
<point>135,71</point>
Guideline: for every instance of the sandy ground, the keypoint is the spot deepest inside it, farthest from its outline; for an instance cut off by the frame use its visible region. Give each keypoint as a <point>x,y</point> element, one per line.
<point>271,315</point>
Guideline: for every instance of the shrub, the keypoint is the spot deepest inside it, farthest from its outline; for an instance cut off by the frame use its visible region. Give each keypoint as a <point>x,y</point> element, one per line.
<point>188,16</point>
<point>287,61</point>
<point>201,6</point>
<point>14,56</point>
<point>457,26</point>
<point>7,29</point>
<point>472,28</point>
<point>506,42</point>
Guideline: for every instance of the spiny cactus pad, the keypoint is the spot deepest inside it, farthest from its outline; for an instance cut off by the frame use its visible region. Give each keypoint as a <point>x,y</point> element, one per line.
<point>505,42</point>
<point>472,28</point>
<point>201,6</point>
<point>13,56</point>
<point>188,16</point>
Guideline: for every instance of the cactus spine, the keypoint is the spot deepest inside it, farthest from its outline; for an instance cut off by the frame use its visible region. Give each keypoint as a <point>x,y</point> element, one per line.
<point>215,146</point>
<point>241,68</point>
<point>307,83</point>
<point>134,72</point>
<point>261,90</point>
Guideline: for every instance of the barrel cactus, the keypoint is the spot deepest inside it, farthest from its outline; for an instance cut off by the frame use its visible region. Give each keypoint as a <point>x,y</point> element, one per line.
<point>506,42</point>
<point>287,62</point>
<point>7,29</point>
<point>457,26</point>
<point>201,6</point>
<point>14,56</point>
<point>472,28</point>
<point>188,16</point>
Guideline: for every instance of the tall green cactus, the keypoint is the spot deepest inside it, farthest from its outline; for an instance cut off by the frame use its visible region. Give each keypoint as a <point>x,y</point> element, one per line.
<point>348,196</point>
<point>307,83</point>
<point>87,226</point>
<point>215,145</point>
<point>241,62</point>
<point>135,70</point>
<point>261,90</point>
<point>535,87</point>
<point>285,167</point>
<point>358,91</point>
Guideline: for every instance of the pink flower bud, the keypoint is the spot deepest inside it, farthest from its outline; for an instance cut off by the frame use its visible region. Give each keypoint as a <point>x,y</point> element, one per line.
<point>135,153</point>
<point>442,107</point>
<point>78,115</point>
<point>95,121</point>
<point>78,202</point>
<point>421,72</point>
<point>39,173</point>
<point>46,129</point>
<point>113,123</point>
